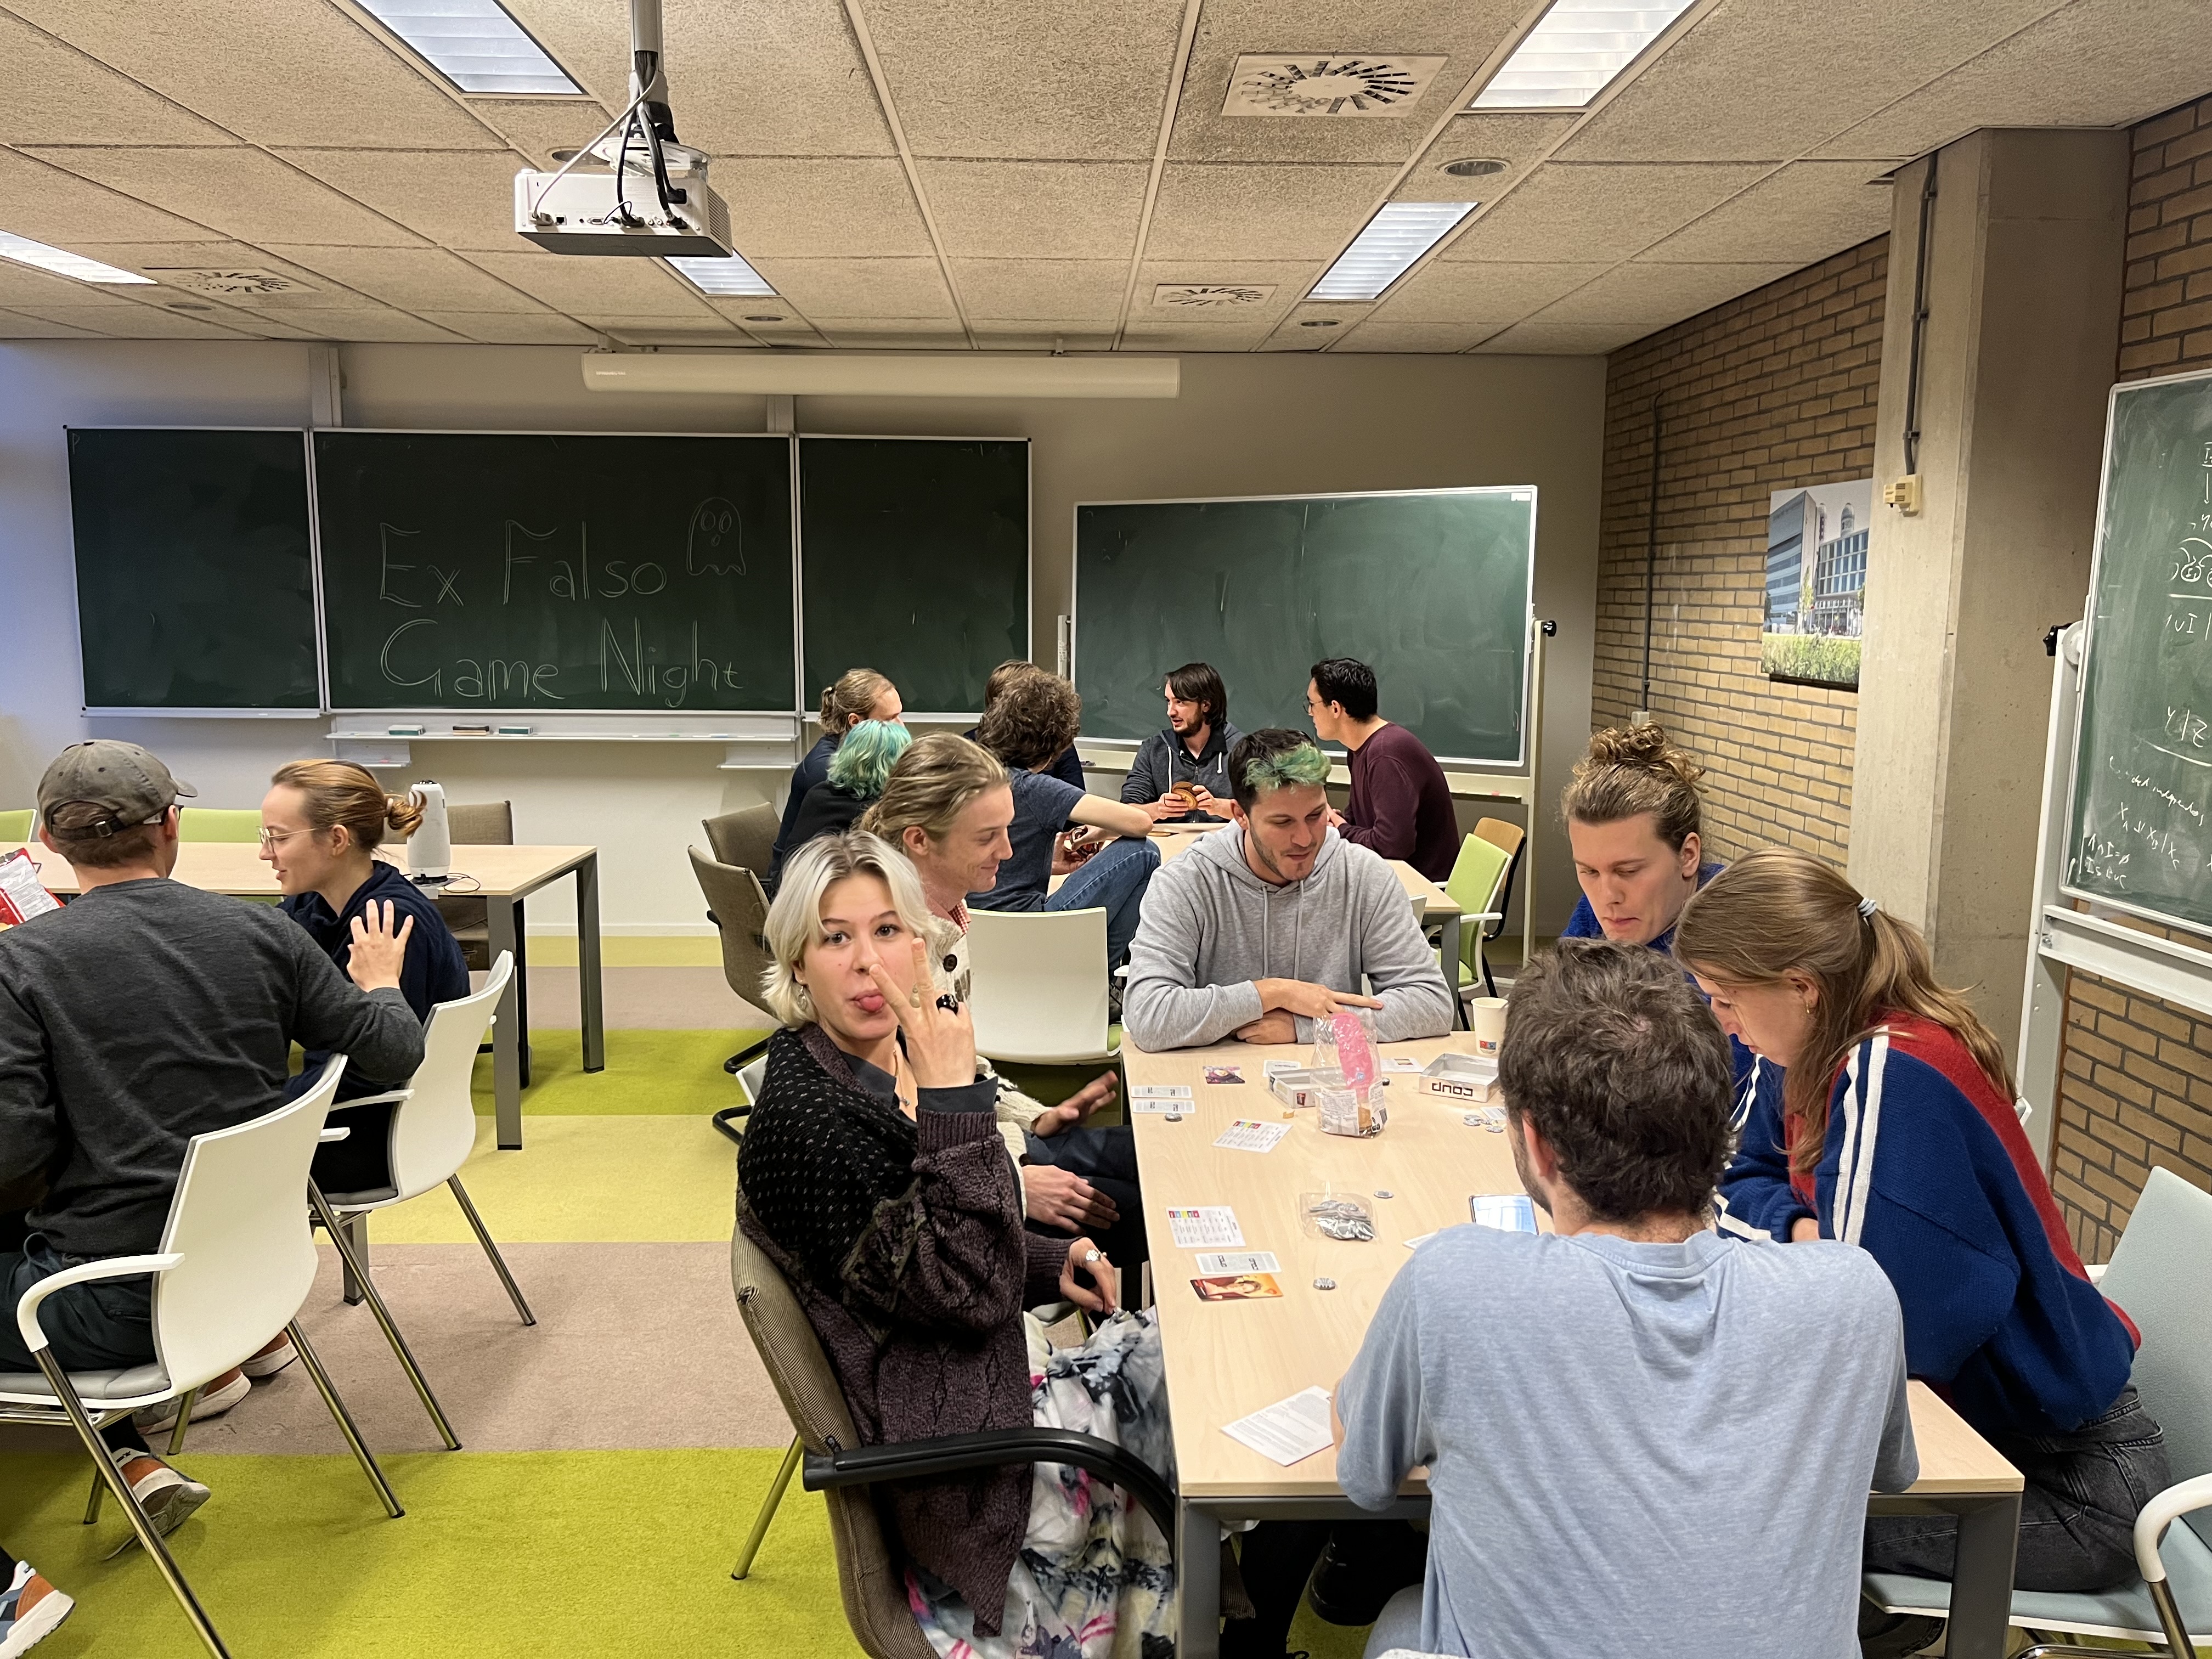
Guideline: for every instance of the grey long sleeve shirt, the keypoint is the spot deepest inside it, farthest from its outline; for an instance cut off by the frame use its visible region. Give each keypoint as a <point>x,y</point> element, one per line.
<point>145,1013</point>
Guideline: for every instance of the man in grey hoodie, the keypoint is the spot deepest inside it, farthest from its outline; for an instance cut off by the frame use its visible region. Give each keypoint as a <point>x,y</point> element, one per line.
<point>1262,928</point>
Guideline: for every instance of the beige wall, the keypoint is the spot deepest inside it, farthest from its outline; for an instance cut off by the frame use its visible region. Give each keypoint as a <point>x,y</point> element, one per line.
<point>1244,425</point>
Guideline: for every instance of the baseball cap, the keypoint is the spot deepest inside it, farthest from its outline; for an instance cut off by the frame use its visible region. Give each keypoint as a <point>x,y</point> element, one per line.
<point>126,785</point>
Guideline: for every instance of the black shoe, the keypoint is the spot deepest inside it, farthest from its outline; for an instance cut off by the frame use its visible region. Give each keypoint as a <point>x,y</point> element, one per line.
<point>1894,1635</point>
<point>1365,1564</point>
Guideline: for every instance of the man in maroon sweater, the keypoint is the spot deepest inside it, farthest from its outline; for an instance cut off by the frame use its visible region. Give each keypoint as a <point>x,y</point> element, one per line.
<point>1401,805</point>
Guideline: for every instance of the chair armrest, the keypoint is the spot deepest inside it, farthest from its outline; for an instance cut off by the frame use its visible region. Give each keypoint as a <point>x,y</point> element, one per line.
<point>389,1097</point>
<point>329,1135</point>
<point>2161,1512</point>
<point>117,1266</point>
<point>955,1454</point>
<point>1482,916</point>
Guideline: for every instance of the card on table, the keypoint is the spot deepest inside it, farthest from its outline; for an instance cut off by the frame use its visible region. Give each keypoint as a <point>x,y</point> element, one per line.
<point>1158,1103</point>
<point>1416,1243</point>
<point>1249,1135</point>
<point>1206,1226</point>
<point>1288,1431</point>
<point>1401,1063</point>
<point>1236,1287</point>
<point>1277,1067</point>
<point>1220,1074</point>
<point>1160,1091</point>
<point>1512,1212</point>
<point>1215,1262</point>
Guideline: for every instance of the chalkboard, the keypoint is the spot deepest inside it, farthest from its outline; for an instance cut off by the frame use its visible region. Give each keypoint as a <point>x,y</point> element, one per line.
<point>915,561</point>
<point>195,579</point>
<point>516,571</point>
<point>1431,588</point>
<point>2142,763</point>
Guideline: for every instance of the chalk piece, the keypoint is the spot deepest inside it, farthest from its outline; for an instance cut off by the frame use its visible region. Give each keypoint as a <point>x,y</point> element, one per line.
<point>404,731</point>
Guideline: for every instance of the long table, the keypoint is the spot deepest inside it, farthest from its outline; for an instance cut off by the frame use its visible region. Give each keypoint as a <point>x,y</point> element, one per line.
<point>507,875</point>
<point>1225,1361</point>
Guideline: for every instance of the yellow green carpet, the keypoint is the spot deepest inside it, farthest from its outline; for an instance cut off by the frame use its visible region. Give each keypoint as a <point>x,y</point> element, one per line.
<point>651,1073</point>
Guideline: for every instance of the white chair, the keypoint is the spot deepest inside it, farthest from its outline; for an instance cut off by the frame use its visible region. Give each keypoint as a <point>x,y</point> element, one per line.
<point>1038,986</point>
<point>2156,1273</point>
<point>434,1128</point>
<point>236,1261</point>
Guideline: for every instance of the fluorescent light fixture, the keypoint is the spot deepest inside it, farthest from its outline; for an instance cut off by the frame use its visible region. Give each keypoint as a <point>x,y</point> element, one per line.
<point>1577,49</point>
<point>474,44</point>
<point>1399,233</point>
<point>25,252</point>
<point>730,275</point>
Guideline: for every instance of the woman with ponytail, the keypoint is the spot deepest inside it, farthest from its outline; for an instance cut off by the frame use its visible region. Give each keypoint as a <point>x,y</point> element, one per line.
<point>321,824</point>
<point>1894,1128</point>
<point>856,694</point>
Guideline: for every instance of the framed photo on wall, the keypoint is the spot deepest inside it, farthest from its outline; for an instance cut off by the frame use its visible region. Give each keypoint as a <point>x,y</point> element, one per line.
<point>1816,569</point>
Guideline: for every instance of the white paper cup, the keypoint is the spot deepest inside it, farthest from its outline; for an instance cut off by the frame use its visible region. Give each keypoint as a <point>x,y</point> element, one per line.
<point>1488,1025</point>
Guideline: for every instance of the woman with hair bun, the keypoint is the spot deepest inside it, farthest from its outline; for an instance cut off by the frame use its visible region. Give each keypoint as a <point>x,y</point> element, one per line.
<point>1634,820</point>
<point>856,694</point>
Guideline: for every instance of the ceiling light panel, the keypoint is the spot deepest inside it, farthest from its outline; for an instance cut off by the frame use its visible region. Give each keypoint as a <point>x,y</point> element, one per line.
<point>1398,234</point>
<point>474,44</point>
<point>25,252</point>
<point>1571,55</point>
<point>730,275</point>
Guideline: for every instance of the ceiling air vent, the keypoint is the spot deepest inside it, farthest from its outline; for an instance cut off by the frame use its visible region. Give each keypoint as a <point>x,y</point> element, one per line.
<point>231,282</point>
<point>1284,83</point>
<point>1210,296</point>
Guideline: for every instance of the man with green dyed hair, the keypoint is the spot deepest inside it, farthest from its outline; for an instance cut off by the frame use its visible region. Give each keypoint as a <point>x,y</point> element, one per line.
<point>1264,927</point>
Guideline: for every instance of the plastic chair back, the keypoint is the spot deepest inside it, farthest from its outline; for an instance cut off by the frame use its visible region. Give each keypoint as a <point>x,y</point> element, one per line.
<point>240,1221</point>
<point>435,1129</point>
<point>1512,837</point>
<point>218,823</point>
<point>2157,1274</point>
<point>16,825</point>
<point>1037,985</point>
<point>1477,875</point>
<point>745,839</point>
<point>869,1578</point>
<point>738,909</point>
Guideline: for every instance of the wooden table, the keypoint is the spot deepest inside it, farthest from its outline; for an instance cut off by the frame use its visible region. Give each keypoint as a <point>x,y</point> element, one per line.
<point>508,875</point>
<point>1225,1361</point>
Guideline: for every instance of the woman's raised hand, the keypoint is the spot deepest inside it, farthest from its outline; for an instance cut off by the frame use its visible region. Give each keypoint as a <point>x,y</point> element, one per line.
<point>940,1036</point>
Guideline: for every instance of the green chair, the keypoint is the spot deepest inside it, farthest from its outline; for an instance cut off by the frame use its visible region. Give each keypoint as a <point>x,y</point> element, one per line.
<point>218,823</point>
<point>16,825</point>
<point>1477,885</point>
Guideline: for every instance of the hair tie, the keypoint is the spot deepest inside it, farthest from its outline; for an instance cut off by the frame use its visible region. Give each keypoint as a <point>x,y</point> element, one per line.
<point>1867,908</point>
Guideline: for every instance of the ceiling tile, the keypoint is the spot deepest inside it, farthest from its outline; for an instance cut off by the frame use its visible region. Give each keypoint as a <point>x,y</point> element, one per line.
<point>820,208</point>
<point>1648,297</point>
<point>585,286</point>
<point>1260,212</point>
<point>1767,79</point>
<point>1013,290</point>
<point>1177,334</point>
<point>1036,210</point>
<point>590,39</point>
<point>57,95</point>
<point>409,277</point>
<point>1004,78</point>
<point>457,198</point>
<point>511,327</point>
<point>891,333</point>
<point>783,316</point>
<point>658,331</point>
<point>1072,336</point>
<point>239,192</point>
<point>1804,213</point>
<point>28,285</point>
<point>369,323</point>
<point>2093,64</point>
<point>1560,339</point>
<point>19,325</point>
<point>862,287</point>
<point>538,126</point>
<point>1582,213</point>
<point>1515,137</point>
<point>1381,336</point>
<point>133,322</point>
<point>275,72</point>
<point>51,205</point>
<point>770,77</point>
<point>1470,291</point>
<point>1465,35</point>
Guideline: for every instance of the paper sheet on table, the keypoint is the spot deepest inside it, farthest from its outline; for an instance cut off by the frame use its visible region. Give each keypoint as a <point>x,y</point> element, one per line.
<point>1249,1135</point>
<point>1207,1226</point>
<point>1289,1430</point>
<point>1217,1262</point>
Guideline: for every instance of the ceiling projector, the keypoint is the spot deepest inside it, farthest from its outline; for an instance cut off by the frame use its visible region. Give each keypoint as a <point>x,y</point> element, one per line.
<point>633,190</point>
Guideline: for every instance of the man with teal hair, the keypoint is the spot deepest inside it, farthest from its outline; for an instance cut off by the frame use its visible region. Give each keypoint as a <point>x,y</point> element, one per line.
<point>1262,928</point>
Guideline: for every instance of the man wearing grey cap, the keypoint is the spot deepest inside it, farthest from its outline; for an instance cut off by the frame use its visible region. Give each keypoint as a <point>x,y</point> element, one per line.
<point>146,1012</point>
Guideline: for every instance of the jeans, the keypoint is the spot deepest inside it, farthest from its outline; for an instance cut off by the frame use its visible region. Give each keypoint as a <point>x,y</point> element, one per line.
<point>106,1325</point>
<point>1113,880</point>
<point>1107,1159</point>
<point>2077,1512</point>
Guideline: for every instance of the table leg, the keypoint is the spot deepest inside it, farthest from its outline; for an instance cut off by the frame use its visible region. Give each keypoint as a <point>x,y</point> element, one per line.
<point>506,1033</point>
<point>522,988</point>
<point>1197,1582</point>
<point>587,964</point>
<point>1981,1579</point>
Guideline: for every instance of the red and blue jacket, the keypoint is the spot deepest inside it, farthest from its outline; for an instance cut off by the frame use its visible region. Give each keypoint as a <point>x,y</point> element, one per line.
<point>1927,1169</point>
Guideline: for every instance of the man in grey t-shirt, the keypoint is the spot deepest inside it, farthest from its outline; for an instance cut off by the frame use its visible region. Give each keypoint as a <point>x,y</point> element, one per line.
<point>1640,1436</point>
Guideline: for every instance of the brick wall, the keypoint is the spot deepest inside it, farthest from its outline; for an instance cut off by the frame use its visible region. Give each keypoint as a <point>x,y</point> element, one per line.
<point>1772,390</point>
<point>2136,1087</point>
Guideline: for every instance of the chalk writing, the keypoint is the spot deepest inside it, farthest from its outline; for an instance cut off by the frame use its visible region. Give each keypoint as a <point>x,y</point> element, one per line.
<point>716,529</point>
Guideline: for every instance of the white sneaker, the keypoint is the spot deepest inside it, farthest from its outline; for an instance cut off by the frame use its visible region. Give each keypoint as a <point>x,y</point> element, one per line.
<point>31,1610</point>
<point>168,1498</point>
<point>271,1360</point>
<point>214,1399</point>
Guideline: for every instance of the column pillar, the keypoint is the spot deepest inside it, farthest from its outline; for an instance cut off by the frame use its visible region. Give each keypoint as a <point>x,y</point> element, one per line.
<point>2022,296</point>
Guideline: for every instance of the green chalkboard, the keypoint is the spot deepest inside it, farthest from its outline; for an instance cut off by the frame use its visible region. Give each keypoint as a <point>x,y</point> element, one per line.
<point>1431,587</point>
<point>195,579</point>
<point>521,571</point>
<point>2141,803</point>
<point>916,554</point>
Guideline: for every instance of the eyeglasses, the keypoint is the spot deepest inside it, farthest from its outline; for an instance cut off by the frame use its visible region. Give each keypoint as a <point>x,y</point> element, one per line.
<point>273,839</point>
